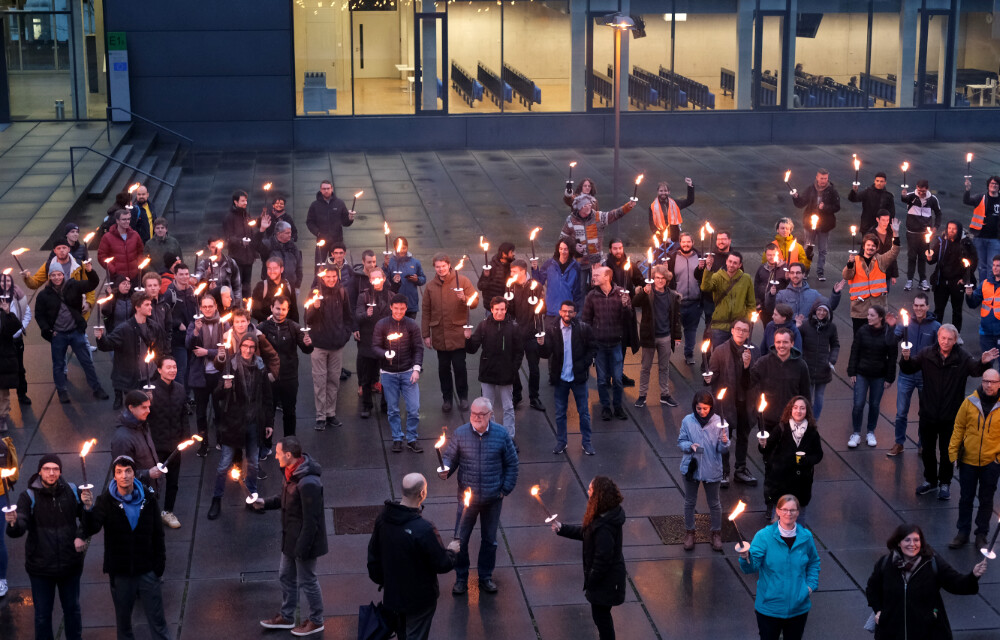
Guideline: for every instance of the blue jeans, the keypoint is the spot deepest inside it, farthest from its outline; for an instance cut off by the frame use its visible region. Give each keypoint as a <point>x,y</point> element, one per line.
<point>981,482</point>
<point>986,248</point>
<point>990,341</point>
<point>395,385</point>
<point>822,241</point>
<point>562,403</point>
<point>43,592</point>
<point>870,389</point>
<point>250,459</point>
<point>295,574</point>
<point>906,383</point>
<point>77,341</point>
<point>489,519</point>
<point>818,391</point>
<point>690,317</point>
<point>609,362</point>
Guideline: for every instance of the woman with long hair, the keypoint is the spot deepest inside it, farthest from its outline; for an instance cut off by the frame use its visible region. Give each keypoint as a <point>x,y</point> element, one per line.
<point>603,562</point>
<point>586,186</point>
<point>904,590</point>
<point>703,438</point>
<point>872,369</point>
<point>19,307</point>
<point>791,453</point>
<point>562,278</point>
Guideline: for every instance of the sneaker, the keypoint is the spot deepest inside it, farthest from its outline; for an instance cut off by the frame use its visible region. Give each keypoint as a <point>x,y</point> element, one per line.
<point>908,285</point>
<point>944,492</point>
<point>620,413</point>
<point>926,286</point>
<point>959,541</point>
<point>559,448</point>
<point>925,488</point>
<point>745,477</point>
<point>278,622</point>
<point>854,440</point>
<point>333,422</point>
<point>640,402</point>
<point>725,481</point>
<point>320,425</point>
<point>668,400</point>
<point>101,394</point>
<point>627,381</point>
<point>203,449</point>
<point>261,474</point>
<point>605,414</point>
<point>397,446</point>
<point>63,396</point>
<point>870,439</point>
<point>588,449</point>
<point>897,449</point>
<point>821,278</point>
<point>3,587</point>
<point>344,374</point>
<point>414,447</point>
<point>689,360</point>
<point>264,453</point>
<point>170,520</point>
<point>308,627</point>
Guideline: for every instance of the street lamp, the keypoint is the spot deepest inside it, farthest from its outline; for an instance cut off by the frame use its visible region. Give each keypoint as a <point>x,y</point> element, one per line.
<point>620,23</point>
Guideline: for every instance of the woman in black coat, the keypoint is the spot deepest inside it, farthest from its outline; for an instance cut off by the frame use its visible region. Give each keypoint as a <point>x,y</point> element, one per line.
<point>820,349</point>
<point>603,562</point>
<point>904,590</point>
<point>872,369</point>
<point>791,453</point>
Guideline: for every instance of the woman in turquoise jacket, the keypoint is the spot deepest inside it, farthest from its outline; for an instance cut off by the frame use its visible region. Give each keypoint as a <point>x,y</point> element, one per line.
<point>784,557</point>
<point>703,438</point>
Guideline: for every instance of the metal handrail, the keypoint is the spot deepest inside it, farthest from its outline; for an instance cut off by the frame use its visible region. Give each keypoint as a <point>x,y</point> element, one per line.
<point>72,170</point>
<point>107,124</point>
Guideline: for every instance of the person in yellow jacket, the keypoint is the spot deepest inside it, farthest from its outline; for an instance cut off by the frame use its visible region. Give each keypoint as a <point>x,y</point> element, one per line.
<point>61,258</point>
<point>791,250</point>
<point>975,445</point>
<point>866,276</point>
<point>732,291</point>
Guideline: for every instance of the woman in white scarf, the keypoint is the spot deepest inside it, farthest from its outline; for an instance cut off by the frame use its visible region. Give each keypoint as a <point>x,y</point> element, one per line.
<point>791,452</point>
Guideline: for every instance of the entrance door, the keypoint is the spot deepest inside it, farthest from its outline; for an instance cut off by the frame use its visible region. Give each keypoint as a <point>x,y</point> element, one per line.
<point>37,45</point>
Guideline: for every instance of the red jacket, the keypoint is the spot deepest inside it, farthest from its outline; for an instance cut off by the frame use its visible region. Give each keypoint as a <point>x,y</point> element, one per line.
<point>127,253</point>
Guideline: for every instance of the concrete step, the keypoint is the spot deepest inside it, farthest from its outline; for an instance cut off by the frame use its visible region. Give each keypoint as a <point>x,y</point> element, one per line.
<point>108,176</point>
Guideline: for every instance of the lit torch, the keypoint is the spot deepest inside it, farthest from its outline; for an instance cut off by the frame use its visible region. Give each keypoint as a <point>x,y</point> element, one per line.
<point>968,166</point>
<point>857,171</point>
<point>743,546</point>
<point>87,238</point>
<point>437,449</point>
<point>722,416</point>
<point>532,298</point>
<point>87,446</point>
<point>531,237</point>
<point>705,346</point>
<point>854,237</point>
<point>635,190</point>
<point>904,167</point>
<point>466,501</point>
<point>356,196</point>
<point>710,229</point>
<point>235,474</point>
<point>968,274</point>
<point>988,551</point>
<point>162,466</point>
<point>148,371</point>
<point>508,295</point>
<point>486,253</point>
<point>470,302</point>
<point>649,263</point>
<point>385,230</point>
<point>539,330</point>
<point>905,344</point>
<point>754,317</point>
<point>928,235</point>
<point>569,180</point>
<point>788,185</point>
<point>763,435</point>
<point>391,353</point>
<point>16,253</point>
<point>536,493</point>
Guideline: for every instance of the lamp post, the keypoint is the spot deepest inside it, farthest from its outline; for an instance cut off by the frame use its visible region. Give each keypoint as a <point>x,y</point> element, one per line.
<point>620,23</point>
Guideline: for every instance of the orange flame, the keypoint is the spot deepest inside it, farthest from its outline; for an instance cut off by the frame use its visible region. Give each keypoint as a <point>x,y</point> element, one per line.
<point>461,263</point>
<point>441,442</point>
<point>511,280</point>
<point>235,473</point>
<point>534,285</point>
<point>638,180</point>
<point>905,316</point>
<point>219,245</point>
<point>468,497</point>
<point>649,256</point>
<point>87,446</point>
<point>722,394</point>
<point>150,355</point>
<point>133,188</point>
<point>6,473</point>
<point>709,228</point>
<point>854,230</point>
<point>227,317</point>
<point>701,233</point>
<point>763,404</point>
<point>200,288</point>
<point>87,238</point>
<point>321,244</point>
<point>788,174</point>
<point>359,193</point>
<point>399,245</point>
<point>705,346</point>
<point>17,252</point>
<point>184,445</point>
<point>968,157</point>
<point>928,235</point>
<point>740,508</point>
<point>905,166</point>
<point>754,317</point>
<point>966,263</point>
<point>628,263</point>
<point>484,244</point>
<point>385,227</point>
<point>144,263</point>
<point>534,490</point>
<point>106,299</point>
<point>791,247</point>
<point>253,223</point>
<point>394,336</point>
<point>267,186</point>
<point>656,239</point>
<point>7,271</point>
<point>539,307</point>
<point>197,438</point>
<point>250,301</point>
<point>472,299</point>
<point>534,233</point>
<point>573,164</point>
<point>857,164</point>
<point>814,219</point>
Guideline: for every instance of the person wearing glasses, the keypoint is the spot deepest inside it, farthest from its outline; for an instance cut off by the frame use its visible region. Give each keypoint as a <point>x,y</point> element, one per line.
<point>783,555</point>
<point>975,444</point>
<point>904,589</point>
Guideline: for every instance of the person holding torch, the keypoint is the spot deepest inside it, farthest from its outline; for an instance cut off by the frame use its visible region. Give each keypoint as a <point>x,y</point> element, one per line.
<point>122,243</point>
<point>985,220</point>
<point>866,275</point>
<point>986,296</point>
<point>923,214</point>
<point>397,341</point>
<point>703,438</point>
<point>665,212</point>
<point>873,199</point>
<point>822,200</point>
<point>954,275</point>
<point>327,217</point>
<point>448,297</point>
<point>373,304</point>
<point>659,332</point>
<point>169,425</point>
<point>130,341</point>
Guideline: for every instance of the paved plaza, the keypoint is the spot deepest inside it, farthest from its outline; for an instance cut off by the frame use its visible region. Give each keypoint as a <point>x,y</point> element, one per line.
<point>221,575</point>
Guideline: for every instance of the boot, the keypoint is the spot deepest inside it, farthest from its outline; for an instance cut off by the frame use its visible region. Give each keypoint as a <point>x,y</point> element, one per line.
<point>215,509</point>
<point>689,540</point>
<point>118,400</point>
<point>717,541</point>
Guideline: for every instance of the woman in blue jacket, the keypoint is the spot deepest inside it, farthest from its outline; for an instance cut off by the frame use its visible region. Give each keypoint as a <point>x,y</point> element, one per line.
<point>562,278</point>
<point>783,555</point>
<point>703,438</point>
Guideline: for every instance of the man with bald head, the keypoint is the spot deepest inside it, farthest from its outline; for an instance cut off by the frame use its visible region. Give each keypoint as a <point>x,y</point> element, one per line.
<point>607,309</point>
<point>405,554</point>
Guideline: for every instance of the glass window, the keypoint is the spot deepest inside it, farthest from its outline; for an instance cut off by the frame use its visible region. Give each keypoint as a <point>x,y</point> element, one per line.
<point>382,44</point>
<point>885,58</point>
<point>831,47</point>
<point>537,54</point>
<point>600,75</point>
<point>37,44</point>
<point>474,35</point>
<point>978,55</point>
<point>322,32</point>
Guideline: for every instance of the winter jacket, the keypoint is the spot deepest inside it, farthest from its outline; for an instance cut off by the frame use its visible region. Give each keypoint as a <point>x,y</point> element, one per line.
<point>766,273</point>
<point>913,609</point>
<point>168,420</point>
<point>607,316</point>
<point>326,219</point>
<point>629,281</point>
<point>860,306</point>
<point>142,221</point>
<point>127,551</point>
<point>409,347</point>
<point>944,378</point>
<point>782,473</point>
<point>807,201</point>
<point>647,323</point>
<point>303,524</point>
<point>486,463</point>
<point>130,343</point>
<point>801,298</point>
<point>52,524</point>
<point>406,266</point>
<point>182,314</point>
<point>127,253</point>
<point>444,316</point>
<point>768,340</point>
<point>738,302</point>
<point>779,382</point>
<point>872,201</point>
<point>264,293</point>
<point>920,334</point>
<point>71,293</point>
<point>682,204</point>
<point>726,365</point>
<point>235,227</point>
<point>330,319</point>
<point>266,352</point>
<point>560,284</point>
<point>583,346</point>
<point>873,353</point>
<point>365,324</point>
<point>133,439</point>
<point>586,235</point>
<point>77,272</point>
<point>989,324</point>
<point>948,255</point>
<point>503,347</point>
<point>493,282</point>
<point>9,325</point>
<point>710,447</point>
<point>976,440</point>
<point>405,556</point>
<point>209,338</point>
<point>290,254</point>
<point>287,339</point>
<point>603,561</point>
<point>247,403</point>
<point>687,275</point>
<point>222,272</point>
<point>791,251</point>
<point>158,249</point>
<point>820,346</point>
<point>784,576</point>
<point>921,214</point>
<point>276,217</point>
<point>345,278</point>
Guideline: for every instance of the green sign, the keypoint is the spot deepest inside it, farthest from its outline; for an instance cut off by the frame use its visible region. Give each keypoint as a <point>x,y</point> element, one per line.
<point>116,41</point>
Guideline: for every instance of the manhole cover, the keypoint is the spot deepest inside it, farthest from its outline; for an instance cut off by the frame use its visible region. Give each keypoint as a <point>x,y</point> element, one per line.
<point>355,520</point>
<point>671,529</point>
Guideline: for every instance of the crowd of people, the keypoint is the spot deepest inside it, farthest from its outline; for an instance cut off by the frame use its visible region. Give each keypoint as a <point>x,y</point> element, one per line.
<point>212,338</point>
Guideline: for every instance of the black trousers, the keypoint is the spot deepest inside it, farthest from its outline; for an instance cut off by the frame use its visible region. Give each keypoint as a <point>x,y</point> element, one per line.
<point>367,377</point>
<point>605,623</point>
<point>285,394</point>
<point>172,478</point>
<point>201,397</point>
<point>742,438</point>
<point>531,355</point>
<point>915,259</point>
<point>449,363</point>
<point>22,380</point>
<point>246,279</point>
<point>773,628</point>
<point>944,293</point>
<point>938,468</point>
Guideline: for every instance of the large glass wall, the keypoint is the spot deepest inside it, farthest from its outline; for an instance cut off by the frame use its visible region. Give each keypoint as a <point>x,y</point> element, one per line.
<point>831,47</point>
<point>978,54</point>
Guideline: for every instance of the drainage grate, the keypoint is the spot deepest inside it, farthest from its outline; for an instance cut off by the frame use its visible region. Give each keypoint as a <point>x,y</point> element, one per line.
<point>671,529</point>
<point>355,520</point>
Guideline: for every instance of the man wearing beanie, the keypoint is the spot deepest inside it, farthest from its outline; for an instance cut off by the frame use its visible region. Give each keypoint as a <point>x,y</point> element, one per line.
<point>77,249</point>
<point>49,511</point>
<point>61,258</point>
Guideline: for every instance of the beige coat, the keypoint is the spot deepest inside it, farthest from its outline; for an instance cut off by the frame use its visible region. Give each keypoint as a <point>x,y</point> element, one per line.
<point>444,315</point>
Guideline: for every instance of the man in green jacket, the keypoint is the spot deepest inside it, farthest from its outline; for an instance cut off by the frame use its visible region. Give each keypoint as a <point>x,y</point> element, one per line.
<point>732,292</point>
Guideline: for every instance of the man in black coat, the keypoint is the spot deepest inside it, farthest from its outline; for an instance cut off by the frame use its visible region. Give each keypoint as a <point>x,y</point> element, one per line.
<point>630,280</point>
<point>872,199</point>
<point>303,537</point>
<point>371,305</point>
<point>287,339</point>
<point>49,512</point>
<point>822,200</point>
<point>133,439</point>
<point>327,217</point>
<point>9,364</point>
<point>779,376</point>
<point>169,426</point>
<point>405,556</point>
<point>493,281</point>
<point>134,549</point>
<point>503,348</point>
<point>237,231</point>
<point>130,342</point>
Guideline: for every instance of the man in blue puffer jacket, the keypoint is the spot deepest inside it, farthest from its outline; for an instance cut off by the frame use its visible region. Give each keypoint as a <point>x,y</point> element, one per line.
<point>482,452</point>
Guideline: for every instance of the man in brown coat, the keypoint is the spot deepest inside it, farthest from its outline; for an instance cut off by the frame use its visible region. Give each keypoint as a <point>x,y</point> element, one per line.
<point>445,314</point>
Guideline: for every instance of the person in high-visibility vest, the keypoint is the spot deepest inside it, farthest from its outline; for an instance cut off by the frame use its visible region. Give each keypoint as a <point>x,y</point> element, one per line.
<point>985,220</point>
<point>986,296</point>
<point>665,212</point>
<point>865,274</point>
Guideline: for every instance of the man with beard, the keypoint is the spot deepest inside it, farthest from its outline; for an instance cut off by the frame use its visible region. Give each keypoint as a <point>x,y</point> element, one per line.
<point>630,280</point>
<point>327,217</point>
<point>287,339</point>
<point>277,213</point>
<point>332,326</point>
<point>822,200</point>
<point>729,365</point>
<point>218,269</point>
<point>665,212</point>
<point>732,295</point>
<point>873,199</point>
<point>236,230</point>
<point>444,315</point>
<point>493,281</point>
<point>203,340</point>
<point>273,285</point>
<point>607,310</point>
<point>143,216</point>
<point>683,261</point>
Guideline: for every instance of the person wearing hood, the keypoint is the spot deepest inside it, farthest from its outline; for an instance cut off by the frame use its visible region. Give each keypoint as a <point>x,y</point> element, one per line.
<point>732,294</point>
<point>665,212</point>
<point>798,294</point>
<point>604,575</point>
<point>406,275</point>
<point>791,453</point>
<point>72,269</point>
<point>131,341</point>
<point>952,279</point>
<point>562,278</point>
<point>132,438</point>
<point>781,317</point>
<point>866,273</point>
<point>168,426</point>
<point>162,247</point>
<point>372,305</point>
<point>134,549</point>
<point>502,342</point>
<point>327,217</point>
<point>445,313</point>
<point>332,325</point>
<point>18,305</point>
<point>975,445</point>
<point>124,245</point>
<point>820,350</point>
<point>405,556</point>
<point>986,296</point>
<point>337,261</point>
<point>789,248</point>
<point>50,512</point>
<point>872,369</point>
<point>79,250</point>
<point>246,418</point>
<point>273,285</point>
<point>584,228</point>
<point>779,376</point>
<point>303,537</point>
<point>921,332</point>
<point>238,234</point>
<point>822,200</point>
<point>203,341</point>
<point>923,213</point>
<point>281,246</point>
<point>703,438</point>
<point>873,199</point>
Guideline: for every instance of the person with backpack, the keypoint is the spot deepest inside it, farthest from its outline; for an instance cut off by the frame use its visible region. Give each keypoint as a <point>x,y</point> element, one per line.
<point>50,512</point>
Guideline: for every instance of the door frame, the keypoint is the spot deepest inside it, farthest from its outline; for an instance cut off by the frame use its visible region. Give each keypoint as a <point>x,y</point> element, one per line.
<point>418,83</point>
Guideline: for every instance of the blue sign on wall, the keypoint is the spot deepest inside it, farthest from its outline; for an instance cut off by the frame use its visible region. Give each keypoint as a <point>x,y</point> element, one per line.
<point>120,66</point>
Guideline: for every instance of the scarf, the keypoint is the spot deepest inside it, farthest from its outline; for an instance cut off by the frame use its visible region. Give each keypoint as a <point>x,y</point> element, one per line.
<point>904,564</point>
<point>290,469</point>
<point>132,503</point>
<point>702,421</point>
<point>788,533</point>
<point>798,430</point>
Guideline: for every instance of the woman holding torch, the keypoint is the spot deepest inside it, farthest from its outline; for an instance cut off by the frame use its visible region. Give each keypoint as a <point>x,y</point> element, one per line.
<point>791,452</point>
<point>703,438</point>
<point>784,557</point>
<point>904,589</point>
<point>562,278</point>
<point>19,307</point>
<point>603,562</point>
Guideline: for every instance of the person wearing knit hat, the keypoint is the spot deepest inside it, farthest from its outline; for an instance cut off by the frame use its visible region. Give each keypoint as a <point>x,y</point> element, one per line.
<point>61,258</point>
<point>585,226</point>
<point>47,458</point>
<point>77,248</point>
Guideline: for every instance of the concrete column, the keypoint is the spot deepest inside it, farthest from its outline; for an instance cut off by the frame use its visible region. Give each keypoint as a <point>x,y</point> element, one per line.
<point>788,65</point>
<point>744,53</point>
<point>77,62</point>
<point>578,55</point>
<point>429,59</point>
<point>908,20</point>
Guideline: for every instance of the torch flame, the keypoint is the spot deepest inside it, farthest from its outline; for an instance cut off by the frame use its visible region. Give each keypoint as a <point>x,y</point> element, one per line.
<point>701,233</point>
<point>200,288</point>
<point>385,227</point>
<point>184,445</point>
<point>905,316</point>
<point>534,233</point>
<point>788,174</point>
<point>857,164</point>
<point>440,443</point>
<point>226,317</point>
<point>638,180</point>
<point>394,336</point>
<point>905,166</point>
<point>399,245</point>
<point>359,193</point>
<point>321,243</point>
<point>511,280</point>
<point>966,263</point>
<point>198,253</point>
<point>722,393</point>
<point>649,256</point>
<point>534,285</point>
<point>968,157</point>
<point>87,238</point>
<point>709,228</point>
<point>150,355</point>
<point>235,473</point>
<point>197,438</point>
<point>854,230</point>
<point>219,245</point>
<point>133,188</point>
<point>6,473</point>
<point>144,263</point>
<point>252,223</point>
<point>87,446</point>
<point>927,236</point>
<point>763,404</point>
<point>7,271</point>
<point>754,317</point>
<point>472,299</point>
<point>705,345</point>
<point>628,263</point>
<point>17,252</point>
<point>482,243</point>
<point>250,302</point>
<point>573,164</point>
<point>740,508</point>
<point>267,186</point>
<point>309,302</point>
<point>539,307</point>
<point>814,219</point>
<point>791,247</point>
<point>534,490</point>
<point>106,299</point>
<point>468,497</point>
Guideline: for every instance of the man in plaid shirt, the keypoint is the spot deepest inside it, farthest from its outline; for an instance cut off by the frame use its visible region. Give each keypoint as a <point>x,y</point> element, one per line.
<point>607,309</point>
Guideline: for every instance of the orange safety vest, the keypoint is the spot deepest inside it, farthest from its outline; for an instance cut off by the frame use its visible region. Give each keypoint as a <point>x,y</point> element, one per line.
<point>978,215</point>
<point>865,285</point>
<point>673,214</point>
<point>991,300</point>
